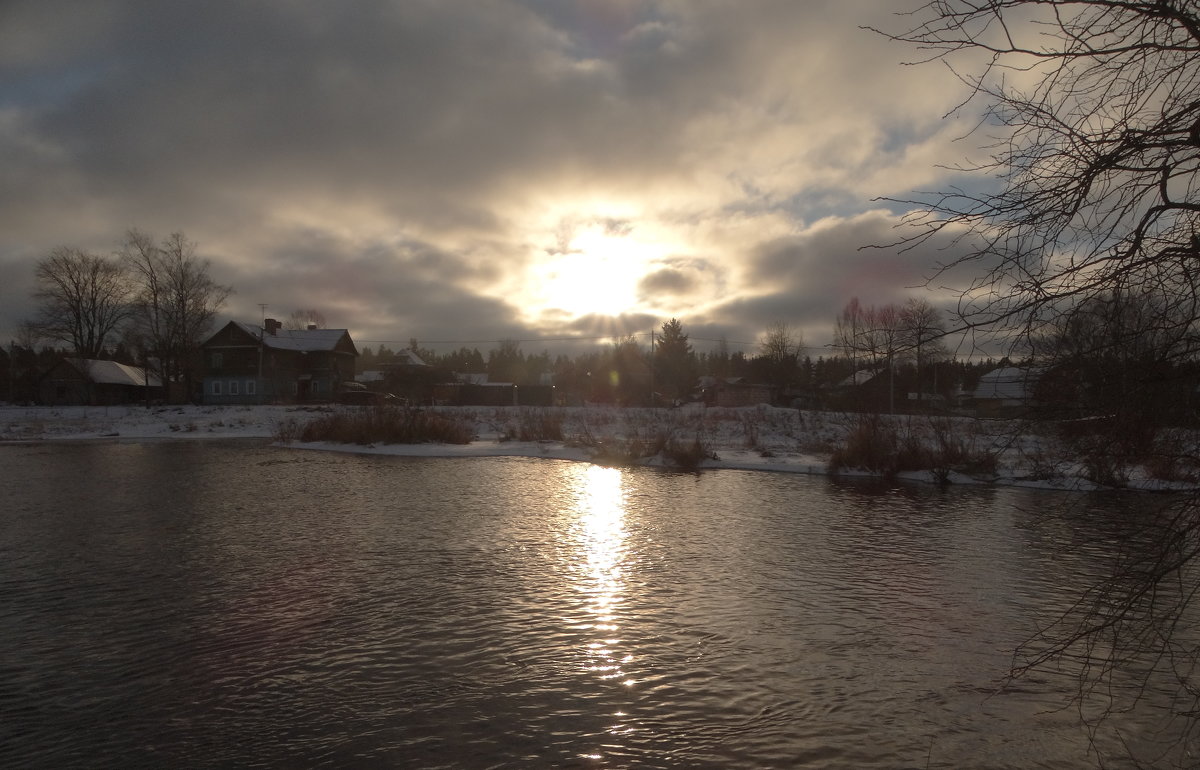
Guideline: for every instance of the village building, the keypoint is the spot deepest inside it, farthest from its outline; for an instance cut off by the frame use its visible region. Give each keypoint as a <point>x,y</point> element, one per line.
<point>1006,391</point>
<point>90,382</point>
<point>247,364</point>
<point>735,392</point>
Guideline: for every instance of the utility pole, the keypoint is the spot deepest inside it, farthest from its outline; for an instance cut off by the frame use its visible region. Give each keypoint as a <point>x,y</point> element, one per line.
<point>258,386</point>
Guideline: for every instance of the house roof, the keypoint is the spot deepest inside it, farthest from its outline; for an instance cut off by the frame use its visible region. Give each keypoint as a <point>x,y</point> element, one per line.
<point>305,340</point>
<point>1006,383</point>
<point>112,373</point>
<point>860,377</point>
<point>401,359</point>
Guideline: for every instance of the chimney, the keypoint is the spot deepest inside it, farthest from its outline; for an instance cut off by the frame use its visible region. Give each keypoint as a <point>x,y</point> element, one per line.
<point>271,326</point>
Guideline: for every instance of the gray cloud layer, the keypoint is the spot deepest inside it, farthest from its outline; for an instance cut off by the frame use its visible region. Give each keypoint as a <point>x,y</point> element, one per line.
<point>404,166</point>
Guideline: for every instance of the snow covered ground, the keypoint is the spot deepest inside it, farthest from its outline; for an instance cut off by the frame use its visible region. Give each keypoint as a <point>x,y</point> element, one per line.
<point>752,438</point>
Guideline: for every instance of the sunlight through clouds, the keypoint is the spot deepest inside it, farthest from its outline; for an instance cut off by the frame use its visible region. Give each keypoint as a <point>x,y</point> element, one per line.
<point>409,169</point>
<point>597,273</point>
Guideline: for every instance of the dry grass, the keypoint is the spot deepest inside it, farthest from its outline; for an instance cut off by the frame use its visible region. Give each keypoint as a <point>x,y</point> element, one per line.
<point>378,425</point>
<point>645,435</point>
<point>540,425</point>
<point>891,445</point>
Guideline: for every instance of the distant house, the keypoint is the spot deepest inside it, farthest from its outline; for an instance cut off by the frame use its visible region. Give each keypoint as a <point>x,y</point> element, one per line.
<point>369,377</point>
<point>1005,391</point>
<point>859,378</point>
<point>403,359</point>
<point>474,389</point>
<point>734,391</point>
<point>399,364</point>
<point>868,388</point>
<point>86,381</point>
<point>246,364</point>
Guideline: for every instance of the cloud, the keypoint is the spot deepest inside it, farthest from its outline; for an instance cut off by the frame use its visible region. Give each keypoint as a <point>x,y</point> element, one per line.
<point>678,282</point>
<point>409,168</point>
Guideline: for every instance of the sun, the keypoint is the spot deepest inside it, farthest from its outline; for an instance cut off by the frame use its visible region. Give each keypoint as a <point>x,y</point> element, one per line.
<point>597,274</point>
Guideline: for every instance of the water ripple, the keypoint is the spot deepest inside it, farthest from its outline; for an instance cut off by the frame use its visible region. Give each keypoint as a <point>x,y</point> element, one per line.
<point>291,609</point>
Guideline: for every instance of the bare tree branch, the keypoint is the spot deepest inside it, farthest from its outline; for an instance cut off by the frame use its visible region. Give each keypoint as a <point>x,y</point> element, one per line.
<point>83,299</point>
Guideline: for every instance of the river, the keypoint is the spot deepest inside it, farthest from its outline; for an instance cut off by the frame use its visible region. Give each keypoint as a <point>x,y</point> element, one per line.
<point>233,604</point>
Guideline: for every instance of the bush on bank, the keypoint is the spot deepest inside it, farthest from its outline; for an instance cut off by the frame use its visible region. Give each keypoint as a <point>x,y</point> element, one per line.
<point>889,445</point>
<point>378,425</point>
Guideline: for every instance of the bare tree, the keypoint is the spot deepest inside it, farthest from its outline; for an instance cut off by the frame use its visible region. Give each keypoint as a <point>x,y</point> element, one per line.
<point>176,301</point>
<point>885,337</point>
<point>850,323</point>
<point>82,298</point>
<point>304,319</point>
<point>781,347</point>
<point>1096,154</point>
<point>921,330</point>
<point>875,334</point>
<point>780,342</point>
<point>1092,192</point>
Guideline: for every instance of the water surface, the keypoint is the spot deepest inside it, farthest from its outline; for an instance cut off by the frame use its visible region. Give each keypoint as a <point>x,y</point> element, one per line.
<point>234,604</point>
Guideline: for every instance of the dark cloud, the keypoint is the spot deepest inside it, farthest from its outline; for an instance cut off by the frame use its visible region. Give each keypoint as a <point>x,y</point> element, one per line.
<point>666,281</point>
<point>682,281</point>
<point>403,167</point>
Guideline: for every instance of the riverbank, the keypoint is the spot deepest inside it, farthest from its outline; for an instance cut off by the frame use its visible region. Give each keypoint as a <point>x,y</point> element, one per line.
<point>757,438</point>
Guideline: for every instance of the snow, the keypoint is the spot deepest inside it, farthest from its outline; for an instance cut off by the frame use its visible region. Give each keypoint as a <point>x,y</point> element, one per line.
<point>759,438</point>
<point>113,373</point>
<point>296,339</point>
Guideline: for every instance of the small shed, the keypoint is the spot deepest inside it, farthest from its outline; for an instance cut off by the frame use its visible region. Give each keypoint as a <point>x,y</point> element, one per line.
<point>91,382</point>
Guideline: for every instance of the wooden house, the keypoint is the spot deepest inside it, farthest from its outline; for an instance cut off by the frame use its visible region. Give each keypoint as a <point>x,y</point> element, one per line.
<point>245,364</point>
<point>86,381</point>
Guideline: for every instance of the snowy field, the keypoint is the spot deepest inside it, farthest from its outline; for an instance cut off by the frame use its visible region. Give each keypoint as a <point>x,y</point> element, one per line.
<point>752,438</point>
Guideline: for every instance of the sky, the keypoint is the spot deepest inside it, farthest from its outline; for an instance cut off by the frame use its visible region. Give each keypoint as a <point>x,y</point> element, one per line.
<point>464,171</point>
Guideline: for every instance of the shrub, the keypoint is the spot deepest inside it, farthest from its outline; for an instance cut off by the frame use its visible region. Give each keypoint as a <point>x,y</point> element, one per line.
<point>870,445</point>
<point>1173,459</point>
<point>687,456</point>
<point>540,425</point>
<point>750,429</point>
<point>380,425</point>
<point>888,447</point>
<point>955,449</point>
<point>287,430</point>
<point>1103,462</point>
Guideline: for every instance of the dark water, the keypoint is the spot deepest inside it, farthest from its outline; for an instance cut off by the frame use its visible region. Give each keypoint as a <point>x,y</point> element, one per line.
<point>236,605</point>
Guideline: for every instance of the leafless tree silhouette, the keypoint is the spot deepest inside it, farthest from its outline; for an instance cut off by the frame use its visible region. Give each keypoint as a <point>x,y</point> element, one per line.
<point>175,302</point>
<point>1090,191</point>
<point>82,300</point>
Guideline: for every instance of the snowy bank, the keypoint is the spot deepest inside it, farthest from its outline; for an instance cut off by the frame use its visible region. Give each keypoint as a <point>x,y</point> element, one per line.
<point>757,438</point>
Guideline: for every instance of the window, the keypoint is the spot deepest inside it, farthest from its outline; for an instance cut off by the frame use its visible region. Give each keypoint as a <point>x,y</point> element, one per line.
<point>251,387</point>
<point>316,386</point>
<point>216,360</point>
<point>233,387</point>
<point>216,387</point>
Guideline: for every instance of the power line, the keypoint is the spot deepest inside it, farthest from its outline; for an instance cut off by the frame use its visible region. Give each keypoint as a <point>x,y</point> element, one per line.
<point>585,338</point>
<point>509,339</point>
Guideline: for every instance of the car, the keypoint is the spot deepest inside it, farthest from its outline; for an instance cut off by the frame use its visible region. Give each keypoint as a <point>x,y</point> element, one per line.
<point>366,398</point>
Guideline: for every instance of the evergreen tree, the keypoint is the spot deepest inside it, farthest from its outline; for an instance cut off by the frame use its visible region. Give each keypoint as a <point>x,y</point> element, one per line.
<point>675,364</point>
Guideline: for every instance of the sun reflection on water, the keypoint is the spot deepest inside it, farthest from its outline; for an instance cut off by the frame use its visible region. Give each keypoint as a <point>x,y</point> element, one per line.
<point>601,535</point>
